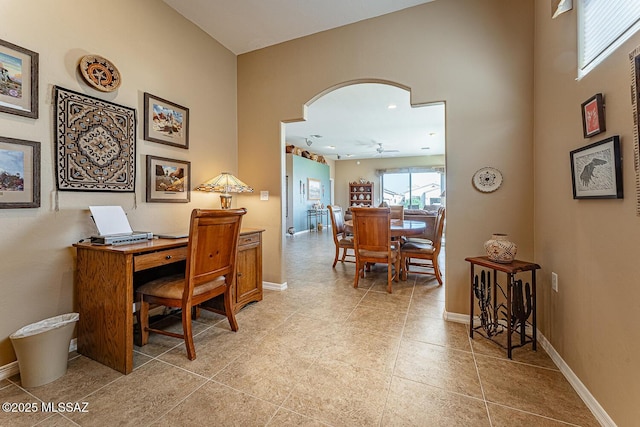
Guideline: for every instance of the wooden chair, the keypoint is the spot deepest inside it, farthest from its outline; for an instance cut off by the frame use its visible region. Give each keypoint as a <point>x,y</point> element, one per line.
<point>340,237</point>
<point>210,271</point>
<point>397,211</point>
<point>424,254</point>
<point>372,242</point>
<point>429,232</point>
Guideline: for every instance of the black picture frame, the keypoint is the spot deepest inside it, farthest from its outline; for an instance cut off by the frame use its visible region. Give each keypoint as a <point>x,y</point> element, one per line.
<point>18,95</point>
<point>165,122</point>
<point>20,176</point>
<point>596,170</point>
<point>593,121</point>
<point>168,180</point>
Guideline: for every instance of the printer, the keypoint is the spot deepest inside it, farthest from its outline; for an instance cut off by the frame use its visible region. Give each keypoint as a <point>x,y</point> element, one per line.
<point>114,228</point>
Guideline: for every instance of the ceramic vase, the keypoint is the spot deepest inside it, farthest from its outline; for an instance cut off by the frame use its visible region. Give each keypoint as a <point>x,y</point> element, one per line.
<point>500,248</point>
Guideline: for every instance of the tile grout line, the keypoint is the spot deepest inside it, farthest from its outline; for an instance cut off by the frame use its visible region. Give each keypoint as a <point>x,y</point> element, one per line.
<point>484,397</point>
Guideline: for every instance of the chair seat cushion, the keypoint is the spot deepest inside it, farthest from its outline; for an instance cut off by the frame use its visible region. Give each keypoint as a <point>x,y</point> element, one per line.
<point>419,240</point>
<point>418,247</point>
<point>380,255</point>
<point>172,286</point>
<point>346,242</point>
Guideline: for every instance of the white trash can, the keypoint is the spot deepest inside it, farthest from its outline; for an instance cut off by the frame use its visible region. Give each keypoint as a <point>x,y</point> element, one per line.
<point>42,349</point>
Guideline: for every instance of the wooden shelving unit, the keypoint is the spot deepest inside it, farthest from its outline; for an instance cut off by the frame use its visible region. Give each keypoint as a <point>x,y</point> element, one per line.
<point>361,194</point>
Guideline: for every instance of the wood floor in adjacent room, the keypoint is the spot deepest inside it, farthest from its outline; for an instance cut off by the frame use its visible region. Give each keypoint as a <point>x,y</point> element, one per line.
<point>320,353</point>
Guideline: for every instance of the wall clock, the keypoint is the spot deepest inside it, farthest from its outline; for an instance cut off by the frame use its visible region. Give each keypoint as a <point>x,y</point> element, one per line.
<point>100,73</point>
<point>487,179</point>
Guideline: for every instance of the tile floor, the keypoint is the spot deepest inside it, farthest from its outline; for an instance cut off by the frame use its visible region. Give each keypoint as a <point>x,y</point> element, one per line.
<point>320,353</point>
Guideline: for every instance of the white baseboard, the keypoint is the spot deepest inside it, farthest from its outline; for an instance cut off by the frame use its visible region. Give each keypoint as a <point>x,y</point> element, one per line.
<point>596,409</point>
<point>274,286</point>
<point>12,368</point>
<point>9,370</point>
<point>584,393</point>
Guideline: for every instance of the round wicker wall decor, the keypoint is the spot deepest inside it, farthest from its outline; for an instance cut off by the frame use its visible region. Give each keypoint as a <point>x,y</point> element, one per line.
<point>100,73</point>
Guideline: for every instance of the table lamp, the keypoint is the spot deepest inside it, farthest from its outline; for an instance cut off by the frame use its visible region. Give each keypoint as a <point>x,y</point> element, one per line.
<point>225,183</point>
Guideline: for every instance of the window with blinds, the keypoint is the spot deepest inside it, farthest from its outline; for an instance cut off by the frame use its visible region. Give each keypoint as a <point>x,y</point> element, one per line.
<point>603,25</point>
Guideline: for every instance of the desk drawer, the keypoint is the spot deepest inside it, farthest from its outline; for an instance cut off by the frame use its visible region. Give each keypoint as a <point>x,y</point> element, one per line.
<point>249,239</point>
<point>156,259</point>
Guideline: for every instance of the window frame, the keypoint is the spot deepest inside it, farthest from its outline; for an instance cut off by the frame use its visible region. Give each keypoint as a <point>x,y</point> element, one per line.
<point>584,69</point>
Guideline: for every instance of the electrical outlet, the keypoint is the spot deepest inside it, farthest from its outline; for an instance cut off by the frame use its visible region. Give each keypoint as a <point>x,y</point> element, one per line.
<point>554,281</point>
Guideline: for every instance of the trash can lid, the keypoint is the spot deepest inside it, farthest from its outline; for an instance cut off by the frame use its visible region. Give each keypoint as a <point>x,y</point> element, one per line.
<point>45,325</point>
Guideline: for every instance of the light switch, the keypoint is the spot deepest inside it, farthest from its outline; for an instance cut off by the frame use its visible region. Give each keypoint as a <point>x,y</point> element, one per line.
<point>264,195</point>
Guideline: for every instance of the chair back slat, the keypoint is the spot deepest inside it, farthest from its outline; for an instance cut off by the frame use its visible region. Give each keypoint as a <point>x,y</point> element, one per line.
<point>439,230</point>
<point>213,245</point>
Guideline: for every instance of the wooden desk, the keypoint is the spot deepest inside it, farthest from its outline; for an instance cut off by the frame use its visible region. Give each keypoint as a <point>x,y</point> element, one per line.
<point>106,277</point>
<point>399,227</point>
<point>520,302</point>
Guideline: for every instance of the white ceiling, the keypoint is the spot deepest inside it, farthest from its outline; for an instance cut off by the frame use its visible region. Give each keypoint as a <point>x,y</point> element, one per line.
<point>355,119</point>
<point>245,25</point>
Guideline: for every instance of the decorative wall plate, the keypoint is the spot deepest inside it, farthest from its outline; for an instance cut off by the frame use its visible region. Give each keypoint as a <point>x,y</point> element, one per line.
<point>487,179</point>
<point>100,73</point>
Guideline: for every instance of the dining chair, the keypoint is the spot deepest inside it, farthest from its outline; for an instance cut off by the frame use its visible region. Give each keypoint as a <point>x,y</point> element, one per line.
<point>397,211</point>
<point>373,244</point>
<point>210,272</point>
<point>340,237</point>
<point>424,254</point>
<point>429,232</point>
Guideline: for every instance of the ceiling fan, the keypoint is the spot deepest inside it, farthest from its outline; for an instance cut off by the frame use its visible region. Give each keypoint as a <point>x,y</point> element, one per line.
<point>381,150</point>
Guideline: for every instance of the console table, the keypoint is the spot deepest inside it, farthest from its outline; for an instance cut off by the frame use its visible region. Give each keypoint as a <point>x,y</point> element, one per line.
<point>315,216</point>
<point>514,310</point>
<point>106,277</point>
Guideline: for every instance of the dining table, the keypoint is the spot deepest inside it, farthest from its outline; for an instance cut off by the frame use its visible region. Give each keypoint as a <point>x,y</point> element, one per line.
<point>399,227</point>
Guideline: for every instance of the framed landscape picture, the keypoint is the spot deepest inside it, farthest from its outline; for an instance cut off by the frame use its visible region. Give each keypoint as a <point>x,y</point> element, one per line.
<point>168,180</point>
<point>593,116</point>
<point>165,122</point>
<point>596,170</point>
<point>19,174</point>
<point>314,189</point>
<point>18,80</point>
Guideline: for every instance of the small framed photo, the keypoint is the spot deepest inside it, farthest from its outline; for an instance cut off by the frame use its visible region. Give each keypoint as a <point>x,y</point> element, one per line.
<point>165,122</point>
<point>596,170</point>
<point>593,116</point>
<point>19,174</point>
<point>314,189</point>
<point>168,180</point>
<point>18,80</point>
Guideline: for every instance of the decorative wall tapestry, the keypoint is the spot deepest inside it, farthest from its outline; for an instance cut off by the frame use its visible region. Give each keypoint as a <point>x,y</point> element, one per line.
<point>634,59</point>
<point>95,143</point>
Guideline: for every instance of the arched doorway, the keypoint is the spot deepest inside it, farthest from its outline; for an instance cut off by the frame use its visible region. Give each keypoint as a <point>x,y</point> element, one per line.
<point>366,129</point>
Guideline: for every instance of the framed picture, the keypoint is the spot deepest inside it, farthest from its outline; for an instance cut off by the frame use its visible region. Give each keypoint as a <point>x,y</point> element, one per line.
<point>19,174</point>
<point>18,80</point>
<point>314,189</point>
<point>165,122</point>
<point>168,180</point>
<point>593,116</point>
<point>596,170</point>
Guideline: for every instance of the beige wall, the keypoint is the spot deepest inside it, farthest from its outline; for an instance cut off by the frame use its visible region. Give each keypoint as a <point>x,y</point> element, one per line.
<point>477,56</point>
<point>591,244</point>
<point>156,51</point>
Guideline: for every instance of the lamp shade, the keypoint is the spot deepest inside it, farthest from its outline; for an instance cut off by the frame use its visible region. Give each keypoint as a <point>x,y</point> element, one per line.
<point>225,183</point>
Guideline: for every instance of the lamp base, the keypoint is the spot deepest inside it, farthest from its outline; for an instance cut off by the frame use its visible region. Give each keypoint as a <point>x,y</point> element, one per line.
<point>225,201</point>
